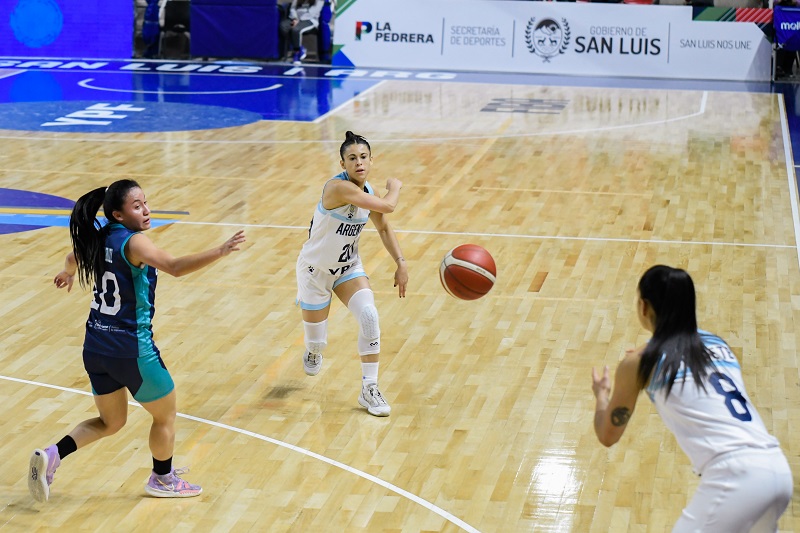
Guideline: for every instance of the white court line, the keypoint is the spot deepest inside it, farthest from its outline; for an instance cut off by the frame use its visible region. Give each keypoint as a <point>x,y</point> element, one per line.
<point>151,140</point>
<point>337,108</point>
<point>85,84</point>
<point>787,149</point>
<point>506,235</point>
<point>11,73</point>
<point>414,498</point>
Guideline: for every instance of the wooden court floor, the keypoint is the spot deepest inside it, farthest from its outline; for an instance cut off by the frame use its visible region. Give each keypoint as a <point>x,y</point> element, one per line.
<point>491,424</point>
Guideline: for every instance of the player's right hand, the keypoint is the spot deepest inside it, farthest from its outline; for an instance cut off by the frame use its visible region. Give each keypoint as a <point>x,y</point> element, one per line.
<point>393,183</point>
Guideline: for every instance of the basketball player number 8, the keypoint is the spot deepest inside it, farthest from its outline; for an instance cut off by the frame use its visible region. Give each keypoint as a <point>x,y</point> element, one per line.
<point>731,395</point>
<point>99,301</point>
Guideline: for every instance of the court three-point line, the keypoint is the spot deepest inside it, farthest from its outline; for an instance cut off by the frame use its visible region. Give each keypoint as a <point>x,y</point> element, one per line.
<point>369,477</point>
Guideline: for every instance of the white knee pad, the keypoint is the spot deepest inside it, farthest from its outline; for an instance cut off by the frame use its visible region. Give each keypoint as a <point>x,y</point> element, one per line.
<point>362,305</point>
<point>316,336</point>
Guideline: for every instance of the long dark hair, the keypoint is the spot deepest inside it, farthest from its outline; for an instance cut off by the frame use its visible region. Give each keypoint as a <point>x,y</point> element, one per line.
<point>351,138</point>
<point>88,235</point>
<point>670,292</point>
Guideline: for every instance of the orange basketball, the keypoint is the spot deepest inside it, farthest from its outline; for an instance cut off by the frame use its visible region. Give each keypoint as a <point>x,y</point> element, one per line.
<point>467,272</point>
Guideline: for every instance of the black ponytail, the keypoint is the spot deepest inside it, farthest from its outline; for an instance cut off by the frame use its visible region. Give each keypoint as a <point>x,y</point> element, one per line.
<point>670,292</point>
<point>351,138</point>
<point>88,235</point>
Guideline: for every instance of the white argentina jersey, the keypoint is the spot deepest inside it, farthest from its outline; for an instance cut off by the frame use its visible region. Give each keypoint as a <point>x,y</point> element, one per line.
<point>718,420</point>
<point>333,236</point>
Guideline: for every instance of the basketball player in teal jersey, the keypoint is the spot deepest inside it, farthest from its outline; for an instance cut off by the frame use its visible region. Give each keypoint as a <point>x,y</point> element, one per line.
<point>695,383</point>
<point>329,263</point>
<point>118,350</point>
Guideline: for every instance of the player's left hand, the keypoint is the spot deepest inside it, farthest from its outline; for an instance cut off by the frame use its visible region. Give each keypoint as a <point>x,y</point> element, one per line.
<point>232,244</point>
<point>401,279</point>
<point>64,279</point>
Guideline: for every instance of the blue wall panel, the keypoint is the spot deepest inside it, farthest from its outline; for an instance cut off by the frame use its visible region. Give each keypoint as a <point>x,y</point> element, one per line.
<point>66,28</point>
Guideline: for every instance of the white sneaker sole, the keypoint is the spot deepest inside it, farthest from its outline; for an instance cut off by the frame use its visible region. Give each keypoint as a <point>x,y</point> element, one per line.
<point>384,411</point>
<point>37,476</point>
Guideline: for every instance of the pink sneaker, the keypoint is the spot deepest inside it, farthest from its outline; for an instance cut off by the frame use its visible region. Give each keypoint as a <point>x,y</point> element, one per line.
<point>42,462</point>
<point>171,486</point>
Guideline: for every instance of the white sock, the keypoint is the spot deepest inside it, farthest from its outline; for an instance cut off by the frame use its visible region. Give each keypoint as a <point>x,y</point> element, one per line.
<point>369,373</point>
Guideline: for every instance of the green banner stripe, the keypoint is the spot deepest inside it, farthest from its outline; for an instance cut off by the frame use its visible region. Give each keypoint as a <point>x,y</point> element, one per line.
<point>720,14</point>
<point>342,7</point>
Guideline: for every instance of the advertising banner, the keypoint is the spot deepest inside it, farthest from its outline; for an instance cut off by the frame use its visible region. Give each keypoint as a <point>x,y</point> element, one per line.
<point>787,28</point>
<point>549,38</point>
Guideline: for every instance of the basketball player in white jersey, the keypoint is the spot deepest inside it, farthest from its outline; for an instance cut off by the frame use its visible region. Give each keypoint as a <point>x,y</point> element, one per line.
<point>696,384</point>
<point>329,263</point>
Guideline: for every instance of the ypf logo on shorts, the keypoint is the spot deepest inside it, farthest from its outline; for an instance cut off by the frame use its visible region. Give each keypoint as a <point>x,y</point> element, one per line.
<point>548,38</point>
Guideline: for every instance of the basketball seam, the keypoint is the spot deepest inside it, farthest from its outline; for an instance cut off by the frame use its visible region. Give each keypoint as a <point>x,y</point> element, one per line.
<point>442,271</point>
<point>473,267</point>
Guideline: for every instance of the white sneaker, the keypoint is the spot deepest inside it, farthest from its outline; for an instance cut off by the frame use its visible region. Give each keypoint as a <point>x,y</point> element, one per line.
<point>312,363</point>
<point>373,400</point>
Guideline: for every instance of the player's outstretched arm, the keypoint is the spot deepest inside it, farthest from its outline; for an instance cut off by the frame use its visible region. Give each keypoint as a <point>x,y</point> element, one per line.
<point>340,193</point>
<point>66,277</point>
<point>141,250</point>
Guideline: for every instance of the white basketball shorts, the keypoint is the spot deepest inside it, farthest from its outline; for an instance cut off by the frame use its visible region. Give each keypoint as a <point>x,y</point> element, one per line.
<point>315,285</point>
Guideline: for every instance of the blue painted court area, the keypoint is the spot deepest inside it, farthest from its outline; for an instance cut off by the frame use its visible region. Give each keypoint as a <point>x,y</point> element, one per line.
<point>18,210</point>
<point>83,96</point>
<point>28,210</point>
<point>115,116</point>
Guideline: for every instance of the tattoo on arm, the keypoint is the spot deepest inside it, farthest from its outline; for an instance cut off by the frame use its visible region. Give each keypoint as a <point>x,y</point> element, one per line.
<point>620,416</point>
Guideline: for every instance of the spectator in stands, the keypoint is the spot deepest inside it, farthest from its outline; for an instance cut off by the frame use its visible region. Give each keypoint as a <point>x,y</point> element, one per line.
<point>784,59</point>
<point>303,17</point>
<point>152,22</point>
